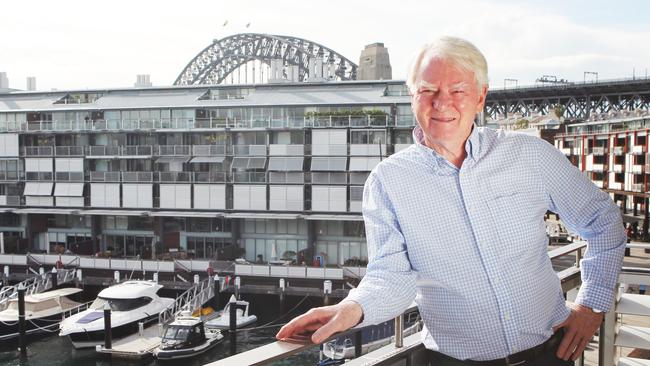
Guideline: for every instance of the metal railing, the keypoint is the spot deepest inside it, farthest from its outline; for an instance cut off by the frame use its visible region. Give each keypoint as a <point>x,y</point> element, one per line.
<point>209,123</point>
<point>249,177</point>
<point>131,177</point>
<point>38,150</point>
<point>210,177</point>
<point>208,150</point>
<point>397,352</point>
<point>69,151</point>
<point>35,285</point>
<point>69,176</point>
<point>249,150</point>
<point>190,300</point>
<point>105,176</point>
<point>175,177</point>
<point>44,176</point>
<point>174,150</point>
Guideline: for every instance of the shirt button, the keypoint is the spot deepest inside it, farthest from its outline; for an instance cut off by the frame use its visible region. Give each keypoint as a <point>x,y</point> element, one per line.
<point>507,316</point>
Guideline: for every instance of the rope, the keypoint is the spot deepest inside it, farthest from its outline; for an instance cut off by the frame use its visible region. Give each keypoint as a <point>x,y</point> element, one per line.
<point>9,324</point>
<point>268,325</point>
<point>44,329</point>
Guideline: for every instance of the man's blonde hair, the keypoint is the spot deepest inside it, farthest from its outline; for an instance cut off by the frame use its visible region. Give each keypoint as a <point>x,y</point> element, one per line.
<point>456,50</point>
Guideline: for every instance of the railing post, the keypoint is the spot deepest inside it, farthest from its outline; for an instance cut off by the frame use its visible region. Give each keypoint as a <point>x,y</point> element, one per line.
<point>22,326</point>
<point>578,256</point>
<point>399,331</point>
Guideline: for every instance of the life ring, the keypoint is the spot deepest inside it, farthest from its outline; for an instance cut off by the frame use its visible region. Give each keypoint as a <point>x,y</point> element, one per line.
<point>210,271</point>
<point>59,264</point>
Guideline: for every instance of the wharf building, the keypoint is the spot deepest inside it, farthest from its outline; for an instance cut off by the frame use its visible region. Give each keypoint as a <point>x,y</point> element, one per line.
<point>267,171</point>
<point>612,150</point>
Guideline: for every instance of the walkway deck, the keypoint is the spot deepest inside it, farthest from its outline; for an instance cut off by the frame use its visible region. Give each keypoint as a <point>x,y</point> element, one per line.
<point>135,346</point>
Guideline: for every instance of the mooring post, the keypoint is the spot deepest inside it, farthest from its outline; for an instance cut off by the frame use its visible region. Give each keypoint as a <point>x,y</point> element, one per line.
<point>217,287</point>
<point>22,326</point>
<point>54,278</point>
<point>108,334</point>
<point>357,344</point>
<point>233,327</point>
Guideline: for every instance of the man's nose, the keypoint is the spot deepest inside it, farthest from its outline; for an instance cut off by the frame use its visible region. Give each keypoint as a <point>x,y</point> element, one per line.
<point>442,100</point>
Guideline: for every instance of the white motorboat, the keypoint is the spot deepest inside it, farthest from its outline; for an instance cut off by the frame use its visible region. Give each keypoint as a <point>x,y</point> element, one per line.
<point>43,312</point>
<point>131,302</point>
<point>222,320</point>
<point>372,337</point>
<point>186,337</point>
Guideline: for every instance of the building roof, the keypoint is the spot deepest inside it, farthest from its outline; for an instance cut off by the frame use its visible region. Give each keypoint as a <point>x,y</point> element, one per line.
<point>280,94</point>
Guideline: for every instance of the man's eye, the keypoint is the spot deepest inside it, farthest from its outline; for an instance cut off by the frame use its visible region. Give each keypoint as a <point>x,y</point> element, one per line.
<point>425,92</point>
<point>458,91</point>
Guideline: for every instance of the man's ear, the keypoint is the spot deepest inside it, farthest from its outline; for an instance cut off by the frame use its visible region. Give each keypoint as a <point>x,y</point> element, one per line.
<point>481,99</point>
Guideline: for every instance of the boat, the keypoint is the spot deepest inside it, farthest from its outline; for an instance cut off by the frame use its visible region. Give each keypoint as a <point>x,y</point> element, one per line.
<point>186,337</point>
<point>43,312</point>
<point>131,302</point>
<point>222,320</point>
<point>373,337</point>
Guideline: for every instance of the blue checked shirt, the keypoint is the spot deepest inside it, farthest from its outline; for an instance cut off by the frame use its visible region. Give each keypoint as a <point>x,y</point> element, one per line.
<point>470,246</point>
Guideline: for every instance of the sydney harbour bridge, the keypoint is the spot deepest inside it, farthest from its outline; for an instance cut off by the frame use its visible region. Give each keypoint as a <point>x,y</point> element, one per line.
<point>246,58</point>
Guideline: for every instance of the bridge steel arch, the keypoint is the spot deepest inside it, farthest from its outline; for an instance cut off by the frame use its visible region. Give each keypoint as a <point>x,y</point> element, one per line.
<point>217,61</point>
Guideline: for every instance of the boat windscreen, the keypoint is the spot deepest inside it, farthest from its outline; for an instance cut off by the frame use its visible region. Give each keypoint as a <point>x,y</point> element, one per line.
<point>120,304</point>
<point>177,333</point>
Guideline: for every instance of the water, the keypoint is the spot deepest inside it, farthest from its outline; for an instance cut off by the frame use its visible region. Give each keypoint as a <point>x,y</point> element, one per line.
<point>55,350</point>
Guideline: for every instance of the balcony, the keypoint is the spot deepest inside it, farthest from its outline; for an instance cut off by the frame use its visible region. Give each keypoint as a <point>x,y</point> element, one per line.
<point>175,177</point>
<point>46,176</point>
<point>617,168</point>
<point>11,175</point>
<point>348,121</point>
<point>137,177</point>
<point>69,150</point>
<point>174,150</point>
<point>566,151</point>
<point>615,185</point>
<point>638,187</point>
<point>208,150</point>
<point>38,151</point>
<point>598,183</point>
<point>618,150</point>
<point>105,176</point>
<point>577,151</point>
<point>598,150</point>
<point>249,150</point>
<point>286,177</point>
<point>131,150</point>
<point>69,176</point>
<point>210,177</point>
<point>249,177</point>
<point>286,150</point>
<point>9,200</point>
<point>636,169</point>
<point>637,150</point>
<point>598,168</point>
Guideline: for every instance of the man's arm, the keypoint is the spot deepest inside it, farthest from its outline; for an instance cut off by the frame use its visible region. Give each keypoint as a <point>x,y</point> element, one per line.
<point>388,286</point>
<point>590,212</point>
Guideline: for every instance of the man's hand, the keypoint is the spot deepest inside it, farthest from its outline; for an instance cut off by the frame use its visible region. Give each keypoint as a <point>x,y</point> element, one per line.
<point>579,328</point>
<point>325,321</point>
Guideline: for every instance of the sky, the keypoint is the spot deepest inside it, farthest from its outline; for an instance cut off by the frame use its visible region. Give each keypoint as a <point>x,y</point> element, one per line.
<point>104,44</point>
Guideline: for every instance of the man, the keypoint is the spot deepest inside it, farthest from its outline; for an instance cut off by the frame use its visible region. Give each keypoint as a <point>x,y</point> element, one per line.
<point>456,222</point>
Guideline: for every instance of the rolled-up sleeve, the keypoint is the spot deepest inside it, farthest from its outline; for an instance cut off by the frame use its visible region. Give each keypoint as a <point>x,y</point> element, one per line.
<point>389,284</point>
<point>591,213</point>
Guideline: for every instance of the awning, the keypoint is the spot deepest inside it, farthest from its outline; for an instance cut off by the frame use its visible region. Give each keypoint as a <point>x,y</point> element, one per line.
<point>240,162</point>
<point>185,214</point>
<point>69,190</point>
<point>54,211</point>
<point>38,189</point>
<point>208,159</point>
<point>286,164</point>
<point>172,159</point>
<point>329,164</point>
<point>334,217</point>
<point>114,212</point>
<point>363,164</point>
<point>267,216</point>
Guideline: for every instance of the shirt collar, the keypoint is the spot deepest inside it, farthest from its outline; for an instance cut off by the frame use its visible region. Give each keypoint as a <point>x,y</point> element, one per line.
<point>472,145</point>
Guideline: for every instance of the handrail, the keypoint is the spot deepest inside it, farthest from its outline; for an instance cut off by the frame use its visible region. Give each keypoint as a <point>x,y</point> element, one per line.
<point>191,300</point>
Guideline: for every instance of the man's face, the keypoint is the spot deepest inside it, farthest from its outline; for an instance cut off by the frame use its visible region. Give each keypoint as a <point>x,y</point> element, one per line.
<point>446,101</point>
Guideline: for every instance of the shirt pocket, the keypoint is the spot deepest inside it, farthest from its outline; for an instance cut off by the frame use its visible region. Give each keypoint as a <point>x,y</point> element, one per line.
<point>518,222</point>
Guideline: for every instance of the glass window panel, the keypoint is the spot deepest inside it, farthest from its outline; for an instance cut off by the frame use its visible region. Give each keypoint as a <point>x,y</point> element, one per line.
<point>294,163</point>
<point>282,226</point>
<point>250,250</point>
<point>270,226</point>
<point>292,226</point>
<point>377,137</point>
<point>277,163</point>
<point>260,226</point>
<point>239,163</point>
<point>260,250</point>
<point>249,226</point>
<point>358,137</point>
<point>319,164</point>
<point>338,164</point>
<point>256,163</point>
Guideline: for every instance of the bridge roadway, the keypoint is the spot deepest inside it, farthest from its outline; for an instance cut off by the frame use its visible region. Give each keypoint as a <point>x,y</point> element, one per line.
<point>579,99</point>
